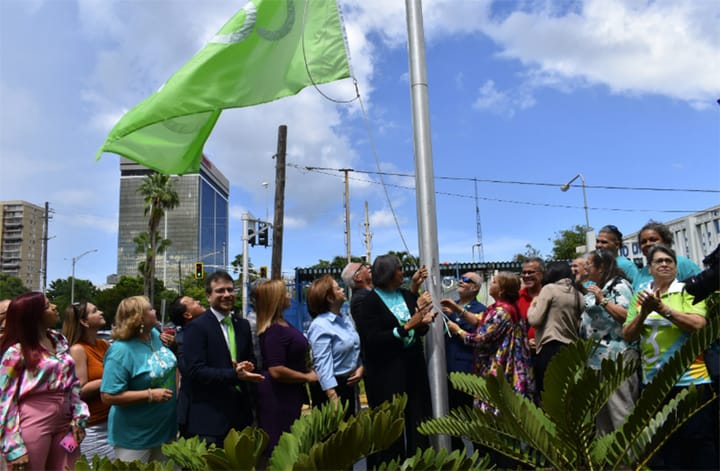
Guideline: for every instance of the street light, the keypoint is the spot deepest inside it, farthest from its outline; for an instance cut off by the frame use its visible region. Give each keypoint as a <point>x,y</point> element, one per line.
<point>266,185</point>
<point>72,281</point>
<point>589,236</point>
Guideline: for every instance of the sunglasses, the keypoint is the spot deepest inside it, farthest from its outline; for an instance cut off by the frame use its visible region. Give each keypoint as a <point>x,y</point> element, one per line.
<point>466,279</point>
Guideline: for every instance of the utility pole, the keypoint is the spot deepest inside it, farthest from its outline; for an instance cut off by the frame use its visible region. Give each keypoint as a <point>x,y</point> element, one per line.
<point>276,267</point>
<point>347,214</point>
<point>368,235</point>
<point>45,239</point>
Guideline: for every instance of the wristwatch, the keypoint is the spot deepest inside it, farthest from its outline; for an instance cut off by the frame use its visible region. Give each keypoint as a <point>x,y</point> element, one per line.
<point>604,302</point>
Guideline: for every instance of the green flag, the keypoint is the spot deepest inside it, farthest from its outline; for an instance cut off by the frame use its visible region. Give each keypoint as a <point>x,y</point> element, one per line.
<point>270,49</point>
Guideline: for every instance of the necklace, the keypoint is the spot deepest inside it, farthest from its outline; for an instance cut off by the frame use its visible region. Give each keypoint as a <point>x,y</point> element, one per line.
<point>155,354</point>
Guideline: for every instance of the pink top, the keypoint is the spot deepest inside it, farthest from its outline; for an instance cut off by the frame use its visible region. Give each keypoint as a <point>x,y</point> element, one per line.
<point>54,373</point>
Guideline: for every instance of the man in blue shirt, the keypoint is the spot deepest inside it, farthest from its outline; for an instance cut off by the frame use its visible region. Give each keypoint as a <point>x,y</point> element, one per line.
<point>466,311</point>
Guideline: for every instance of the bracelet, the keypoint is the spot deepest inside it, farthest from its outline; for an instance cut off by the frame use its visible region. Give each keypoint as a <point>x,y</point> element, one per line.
<point>667,314</point>
<point>461,333</point>
<point>604,302</point>
<point>150,395</point>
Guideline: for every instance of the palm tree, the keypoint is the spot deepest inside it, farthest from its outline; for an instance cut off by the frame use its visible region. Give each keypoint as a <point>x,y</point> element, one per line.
<point>159,196</point>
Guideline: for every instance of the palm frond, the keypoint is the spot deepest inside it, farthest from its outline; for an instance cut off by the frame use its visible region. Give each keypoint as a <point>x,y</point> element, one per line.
<point>431,460</point>
<point>561,376</point>
<point>651,400</point>
<point>323,439</point>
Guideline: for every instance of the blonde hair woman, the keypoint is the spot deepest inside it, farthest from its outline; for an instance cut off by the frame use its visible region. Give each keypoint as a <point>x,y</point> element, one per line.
<point>284,352</point>
<point>139,383</point>
<point>80,327</point>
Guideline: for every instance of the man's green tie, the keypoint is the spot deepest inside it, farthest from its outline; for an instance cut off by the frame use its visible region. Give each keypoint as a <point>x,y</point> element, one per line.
<point>231,336</point>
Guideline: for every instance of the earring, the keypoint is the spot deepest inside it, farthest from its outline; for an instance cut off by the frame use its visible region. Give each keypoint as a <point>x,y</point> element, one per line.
<point>142,328</point>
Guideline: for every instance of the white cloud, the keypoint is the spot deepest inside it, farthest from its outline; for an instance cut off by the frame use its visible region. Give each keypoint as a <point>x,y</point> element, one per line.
<point>107,224</point>
<point>503,103</point>
<point>236,212</point>
<point>666,47</point>
<point>632,48</point>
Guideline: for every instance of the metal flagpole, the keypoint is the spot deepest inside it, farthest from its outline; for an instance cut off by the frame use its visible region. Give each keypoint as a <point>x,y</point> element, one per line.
<point>427,218</point>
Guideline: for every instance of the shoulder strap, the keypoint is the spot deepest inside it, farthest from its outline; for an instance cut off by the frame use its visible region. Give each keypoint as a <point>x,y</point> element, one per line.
<point>615,281</point>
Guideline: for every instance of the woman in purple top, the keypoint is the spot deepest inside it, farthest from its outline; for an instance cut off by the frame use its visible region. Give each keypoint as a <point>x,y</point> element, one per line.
<point>285,352</point>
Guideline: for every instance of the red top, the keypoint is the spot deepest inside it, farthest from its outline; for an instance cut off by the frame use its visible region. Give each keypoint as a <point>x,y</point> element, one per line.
<point>523,304</point>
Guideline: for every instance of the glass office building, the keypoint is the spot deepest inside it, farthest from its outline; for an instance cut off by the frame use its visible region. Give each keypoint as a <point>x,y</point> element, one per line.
<point>198,227</point>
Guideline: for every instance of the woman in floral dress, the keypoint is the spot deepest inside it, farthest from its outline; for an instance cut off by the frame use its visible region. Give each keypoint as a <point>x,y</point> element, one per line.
<point>500,339</point>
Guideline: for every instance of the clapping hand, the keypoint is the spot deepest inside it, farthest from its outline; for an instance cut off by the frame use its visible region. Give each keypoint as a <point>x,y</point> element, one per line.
<point>650,301</point>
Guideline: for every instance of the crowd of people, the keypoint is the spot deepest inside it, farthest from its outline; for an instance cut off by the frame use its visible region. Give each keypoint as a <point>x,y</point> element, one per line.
<point>66,394</point>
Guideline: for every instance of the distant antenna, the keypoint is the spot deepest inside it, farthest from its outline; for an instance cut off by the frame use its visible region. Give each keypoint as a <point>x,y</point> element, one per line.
<point>479,245</point>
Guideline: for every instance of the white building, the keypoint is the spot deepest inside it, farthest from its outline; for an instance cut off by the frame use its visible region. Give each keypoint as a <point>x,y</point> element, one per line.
<point>695,235</point>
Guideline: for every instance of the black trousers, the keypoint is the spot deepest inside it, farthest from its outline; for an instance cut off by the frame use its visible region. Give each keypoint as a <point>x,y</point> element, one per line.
<point>346,392</point>
<point>542,360</point>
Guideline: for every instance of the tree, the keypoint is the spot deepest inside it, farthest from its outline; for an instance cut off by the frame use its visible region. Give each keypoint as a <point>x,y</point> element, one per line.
<point>109,299</point>
<point>339,261</point>
<point>406,258</point>
<point>566,242</point>
<point>160,196</point>
<point>530,252</point>
<point>60,290</point>
<point>237,265</point>
<point>11,286</point>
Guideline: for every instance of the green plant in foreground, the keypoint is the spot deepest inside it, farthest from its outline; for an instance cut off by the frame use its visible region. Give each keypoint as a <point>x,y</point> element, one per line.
<point>562,435</point>
<point>105,464</point>
<point>321,440</point>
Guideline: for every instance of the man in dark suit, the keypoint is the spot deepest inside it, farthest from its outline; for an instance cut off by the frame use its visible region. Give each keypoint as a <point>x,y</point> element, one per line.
<point>219,360</point>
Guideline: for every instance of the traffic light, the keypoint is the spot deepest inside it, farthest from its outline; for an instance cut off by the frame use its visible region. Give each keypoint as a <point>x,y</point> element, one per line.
<point>199,271</point>
<point>251,234</point>
<point>263,232</point>
<point>263,272</point>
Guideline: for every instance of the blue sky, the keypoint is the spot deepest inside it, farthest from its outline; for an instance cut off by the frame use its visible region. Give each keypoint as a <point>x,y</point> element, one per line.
<point>528,91</point>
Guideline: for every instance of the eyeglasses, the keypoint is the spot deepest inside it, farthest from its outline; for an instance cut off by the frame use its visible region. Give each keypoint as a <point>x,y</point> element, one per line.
<point>359,268</point>
<point>529,272</point>
<point>663,261</point>
<point>467,279</point>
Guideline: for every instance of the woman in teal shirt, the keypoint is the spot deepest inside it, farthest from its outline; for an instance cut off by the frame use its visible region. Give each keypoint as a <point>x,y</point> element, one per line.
<point>657,233</point>
<point>139,383</point>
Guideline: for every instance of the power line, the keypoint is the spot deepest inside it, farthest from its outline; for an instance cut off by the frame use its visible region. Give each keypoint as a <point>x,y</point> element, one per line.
<point>332,172</point>
<point>515,182</point>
